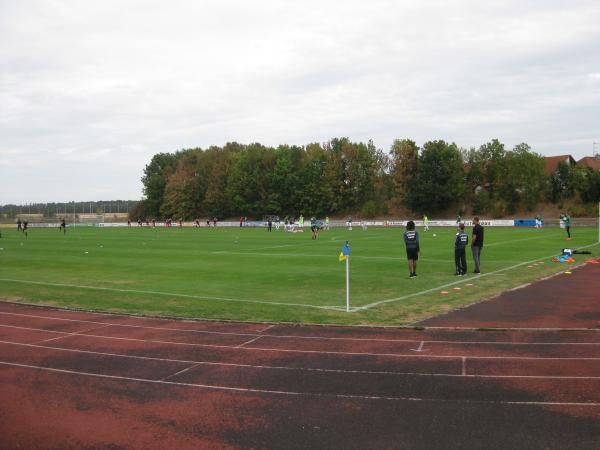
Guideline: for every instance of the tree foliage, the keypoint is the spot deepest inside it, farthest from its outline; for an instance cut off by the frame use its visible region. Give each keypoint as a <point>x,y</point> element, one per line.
<point>344,177</point>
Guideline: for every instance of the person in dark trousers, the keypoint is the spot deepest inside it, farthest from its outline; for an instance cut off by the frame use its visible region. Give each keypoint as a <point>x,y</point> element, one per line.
<point>477,243</point>
<point>63,226</point>
<point>25,223</point>
<point>19,227</point>
<point>411,240</point>
<point>567,221</point>
<point>269,224</point>
<point>460,258</point>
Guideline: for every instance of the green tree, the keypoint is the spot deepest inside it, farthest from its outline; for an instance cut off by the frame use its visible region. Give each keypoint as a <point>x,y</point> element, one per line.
<point>439,178</point>
<point>154,180</point>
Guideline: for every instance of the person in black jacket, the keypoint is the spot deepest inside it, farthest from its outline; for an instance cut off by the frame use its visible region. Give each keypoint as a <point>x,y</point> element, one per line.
<point>411,239</point>
<point>477,243</point>
<point>460,258</point>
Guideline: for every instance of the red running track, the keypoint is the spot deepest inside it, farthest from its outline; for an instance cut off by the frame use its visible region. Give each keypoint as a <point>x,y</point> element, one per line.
<point>76,379</point>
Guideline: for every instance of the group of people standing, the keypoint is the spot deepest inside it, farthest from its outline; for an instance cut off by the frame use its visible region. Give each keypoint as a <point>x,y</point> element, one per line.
<point>461,240</point>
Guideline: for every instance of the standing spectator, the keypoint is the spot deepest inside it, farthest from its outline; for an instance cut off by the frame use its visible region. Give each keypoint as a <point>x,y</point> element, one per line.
<point>411,240</point>
<point>460,258</point>
<point>567,222</point>
<point>477,243</point>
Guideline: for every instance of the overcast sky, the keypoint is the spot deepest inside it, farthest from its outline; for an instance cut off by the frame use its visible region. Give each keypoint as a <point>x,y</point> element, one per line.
<point>91,90</point>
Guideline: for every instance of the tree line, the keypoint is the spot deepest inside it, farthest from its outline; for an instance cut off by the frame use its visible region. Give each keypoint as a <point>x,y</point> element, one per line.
<point>344,177</point>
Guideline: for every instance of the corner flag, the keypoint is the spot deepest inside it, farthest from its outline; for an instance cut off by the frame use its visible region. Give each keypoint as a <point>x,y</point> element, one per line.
<point>345,256</point>
<point>345,252</point>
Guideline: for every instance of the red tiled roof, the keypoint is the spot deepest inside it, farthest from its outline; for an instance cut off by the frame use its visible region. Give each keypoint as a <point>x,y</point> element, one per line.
<point>589,161</point>
<point>552,162</point>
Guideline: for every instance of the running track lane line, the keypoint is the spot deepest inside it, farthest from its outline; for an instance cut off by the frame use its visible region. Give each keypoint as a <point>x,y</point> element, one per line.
<point>319,352</point>
<point>487,274</point>
<point>194,363</point>
<point>291,336</point>
<point>298,394</point>
<point>171,294</point>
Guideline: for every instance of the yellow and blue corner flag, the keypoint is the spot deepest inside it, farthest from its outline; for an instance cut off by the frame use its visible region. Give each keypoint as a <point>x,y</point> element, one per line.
<point>345,252</point>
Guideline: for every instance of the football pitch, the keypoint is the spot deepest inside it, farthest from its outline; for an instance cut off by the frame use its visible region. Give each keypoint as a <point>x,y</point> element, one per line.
<point>250,274</point>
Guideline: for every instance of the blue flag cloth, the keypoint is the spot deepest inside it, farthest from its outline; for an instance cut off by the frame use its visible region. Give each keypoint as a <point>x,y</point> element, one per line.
<point>345,252</point>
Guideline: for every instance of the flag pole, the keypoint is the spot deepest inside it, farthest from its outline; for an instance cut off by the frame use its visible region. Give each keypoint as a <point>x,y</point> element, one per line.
<point>348,283</point>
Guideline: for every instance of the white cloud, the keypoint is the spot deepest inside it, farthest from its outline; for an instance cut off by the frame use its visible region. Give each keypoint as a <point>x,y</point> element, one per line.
<point>96,88</point>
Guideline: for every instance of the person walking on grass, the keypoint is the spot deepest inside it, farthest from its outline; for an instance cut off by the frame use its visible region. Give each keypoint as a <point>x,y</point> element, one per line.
<point>411,240</point>
<point>477,243</point>
<point>460,258</point>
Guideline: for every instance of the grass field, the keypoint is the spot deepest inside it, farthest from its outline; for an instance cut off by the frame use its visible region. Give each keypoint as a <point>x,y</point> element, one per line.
<point>249,274</point>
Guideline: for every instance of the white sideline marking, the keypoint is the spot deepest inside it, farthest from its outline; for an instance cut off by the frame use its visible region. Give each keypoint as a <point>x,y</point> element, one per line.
<point>195,363</point>
<point>282,336</point>
<point>171,294</point>
<point>293,393</point>
<point>415,294</point>
<point>320,352</point>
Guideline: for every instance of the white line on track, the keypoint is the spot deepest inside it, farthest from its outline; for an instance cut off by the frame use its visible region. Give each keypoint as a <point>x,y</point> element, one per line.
<point>74,333</point>
<point>173,375</point>
<point>248,342</point>
<point>281,336</point>
<point>297,394</point>
<point>172,294</point>
<point>196,363</point>
<point>318,352</point>
<point>478,277</point>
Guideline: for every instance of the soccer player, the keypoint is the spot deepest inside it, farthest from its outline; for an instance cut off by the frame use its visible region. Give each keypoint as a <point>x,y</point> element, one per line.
<point>25,227</point>
<point>269,224</point>
<point>327,223</point>
<point>63,226</point>
<point>426,223</point>
<point>567,221</point>
<point>460,259</point>
<point>350,223</point>
<point>477,243</point>
<point>538,221</point>
<point>19,227</point>
<point>411,240</point>
<point>315,227</point>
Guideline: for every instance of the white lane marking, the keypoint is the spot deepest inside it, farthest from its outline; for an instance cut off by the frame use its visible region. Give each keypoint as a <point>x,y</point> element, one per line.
<point>321,352</point>
<point>480,276</point>
<point>195,363</point>
<point>420,348</point>
<point>173,375</point>
<point>172,294</point>
<point>325,338</point>
<point>295,393</point>
<point>266,328</point>
<point>75,333</point>
<point>243,344</point>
